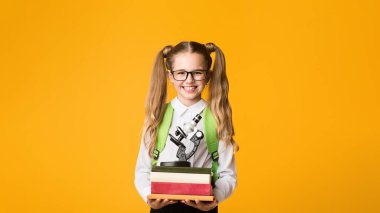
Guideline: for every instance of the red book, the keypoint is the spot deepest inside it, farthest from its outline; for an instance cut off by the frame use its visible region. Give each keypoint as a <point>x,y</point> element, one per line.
<point>181,188</point>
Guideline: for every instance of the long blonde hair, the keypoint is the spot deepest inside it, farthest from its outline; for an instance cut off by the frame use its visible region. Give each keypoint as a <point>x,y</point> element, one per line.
<point>218,91</point>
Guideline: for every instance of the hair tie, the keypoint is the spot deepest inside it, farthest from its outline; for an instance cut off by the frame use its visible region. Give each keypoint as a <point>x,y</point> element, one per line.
<point>210,47</point>
<point>166,50</point>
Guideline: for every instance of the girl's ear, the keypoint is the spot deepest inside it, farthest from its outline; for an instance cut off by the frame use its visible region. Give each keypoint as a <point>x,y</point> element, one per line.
<point>170,76</point>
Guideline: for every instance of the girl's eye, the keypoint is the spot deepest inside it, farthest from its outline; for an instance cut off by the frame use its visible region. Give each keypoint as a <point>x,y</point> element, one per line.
<point>181,73</point>
<point>198,73</point>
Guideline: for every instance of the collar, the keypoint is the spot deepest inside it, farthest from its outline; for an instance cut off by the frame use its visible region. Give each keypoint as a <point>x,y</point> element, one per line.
<point>181,108</point>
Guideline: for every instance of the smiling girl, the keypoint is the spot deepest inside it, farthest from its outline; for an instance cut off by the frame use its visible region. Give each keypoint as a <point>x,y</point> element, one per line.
<point>187,67</point>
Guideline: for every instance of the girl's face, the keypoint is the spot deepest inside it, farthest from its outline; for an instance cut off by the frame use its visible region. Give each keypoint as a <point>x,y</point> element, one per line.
<point>189,91</point>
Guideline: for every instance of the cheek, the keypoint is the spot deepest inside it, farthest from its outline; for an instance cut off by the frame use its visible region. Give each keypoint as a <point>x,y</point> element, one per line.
<point>171,79</point>
<point>176,84</point>
<point>202,84</point>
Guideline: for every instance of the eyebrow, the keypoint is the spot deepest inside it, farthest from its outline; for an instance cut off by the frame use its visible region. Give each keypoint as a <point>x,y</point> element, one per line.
<point>189,71</point>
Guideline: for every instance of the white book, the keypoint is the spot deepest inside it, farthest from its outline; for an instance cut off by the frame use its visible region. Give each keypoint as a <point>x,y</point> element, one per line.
<point>167,177</point>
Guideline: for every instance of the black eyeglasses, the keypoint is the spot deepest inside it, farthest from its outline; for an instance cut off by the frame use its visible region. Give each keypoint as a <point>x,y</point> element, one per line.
<point>181,75</point>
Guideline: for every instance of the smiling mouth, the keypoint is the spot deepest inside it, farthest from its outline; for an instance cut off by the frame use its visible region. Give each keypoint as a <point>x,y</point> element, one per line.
<point>189,89</point>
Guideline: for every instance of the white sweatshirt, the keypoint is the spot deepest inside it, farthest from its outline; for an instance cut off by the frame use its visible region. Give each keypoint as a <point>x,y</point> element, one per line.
<point>227,181</point>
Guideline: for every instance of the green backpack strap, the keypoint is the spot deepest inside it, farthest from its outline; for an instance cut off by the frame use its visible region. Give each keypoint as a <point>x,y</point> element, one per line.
<point>163,132</point>
<point>211,135</point>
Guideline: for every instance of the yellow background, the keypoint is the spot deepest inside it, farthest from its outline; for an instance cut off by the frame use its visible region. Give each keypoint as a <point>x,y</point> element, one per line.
<point>304,89</point>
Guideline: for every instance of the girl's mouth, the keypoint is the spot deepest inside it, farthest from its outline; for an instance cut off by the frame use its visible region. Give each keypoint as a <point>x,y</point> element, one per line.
<point>189,89</point>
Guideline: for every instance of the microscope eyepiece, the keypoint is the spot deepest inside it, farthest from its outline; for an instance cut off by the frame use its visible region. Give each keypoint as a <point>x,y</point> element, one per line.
<point>197,118</point>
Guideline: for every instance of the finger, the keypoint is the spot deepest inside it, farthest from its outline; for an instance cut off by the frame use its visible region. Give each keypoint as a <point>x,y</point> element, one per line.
<point>157,201</point>
<point>168,202</point>
<point>165,202</point>
<point>151,200</point>
<point>201,204</point>
<point>190,203</point>
<point>205,205</point>
<point>210,205</point>
<point>209,202</point>
<point>213,203</point>
<point>173,201</point>
<point>154,203</point>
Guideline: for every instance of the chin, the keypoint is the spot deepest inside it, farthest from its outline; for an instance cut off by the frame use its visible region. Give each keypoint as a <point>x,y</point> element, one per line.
<point>190,97</point>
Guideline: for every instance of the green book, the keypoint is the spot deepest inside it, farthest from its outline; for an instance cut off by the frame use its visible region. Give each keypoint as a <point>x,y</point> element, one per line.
<point>173,169</point>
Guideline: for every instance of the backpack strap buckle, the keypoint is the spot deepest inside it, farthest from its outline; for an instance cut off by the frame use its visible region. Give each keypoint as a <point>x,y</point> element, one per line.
<point>156,154</point>
<point>215,156</point>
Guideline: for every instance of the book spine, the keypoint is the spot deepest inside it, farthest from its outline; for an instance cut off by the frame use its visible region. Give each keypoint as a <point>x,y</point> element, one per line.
<point>181,197</point>
<point>180,188</point>
<point>180,177</point>
<point>181,169</point>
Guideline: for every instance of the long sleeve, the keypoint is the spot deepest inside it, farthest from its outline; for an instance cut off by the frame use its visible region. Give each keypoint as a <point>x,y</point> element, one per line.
<point>142,172</point>
<point>227,181</point>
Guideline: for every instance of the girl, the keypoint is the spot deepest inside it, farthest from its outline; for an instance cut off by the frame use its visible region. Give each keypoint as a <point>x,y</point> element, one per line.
<point>187,65</point>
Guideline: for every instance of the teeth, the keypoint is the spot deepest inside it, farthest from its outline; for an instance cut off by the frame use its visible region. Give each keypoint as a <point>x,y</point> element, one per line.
<point>189,88</point>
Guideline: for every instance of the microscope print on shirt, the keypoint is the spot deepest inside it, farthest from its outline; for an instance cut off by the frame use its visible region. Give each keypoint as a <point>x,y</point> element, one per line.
<point>180,134</point>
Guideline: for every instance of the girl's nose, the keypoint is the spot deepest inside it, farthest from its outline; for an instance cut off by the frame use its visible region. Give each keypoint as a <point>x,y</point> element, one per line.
<point>190,77</point>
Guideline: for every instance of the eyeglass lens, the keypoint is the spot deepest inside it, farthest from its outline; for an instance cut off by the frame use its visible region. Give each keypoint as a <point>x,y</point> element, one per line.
<point>196,75</point>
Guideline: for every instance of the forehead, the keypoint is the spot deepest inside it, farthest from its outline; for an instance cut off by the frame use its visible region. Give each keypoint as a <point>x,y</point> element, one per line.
<point>188,61</point>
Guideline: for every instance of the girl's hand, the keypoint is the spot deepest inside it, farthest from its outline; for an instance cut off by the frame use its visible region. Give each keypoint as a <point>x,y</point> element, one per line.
<point>159,203</point>
<point>201,205</point>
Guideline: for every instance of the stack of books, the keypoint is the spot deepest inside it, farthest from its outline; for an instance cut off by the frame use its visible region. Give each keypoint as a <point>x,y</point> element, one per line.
<point>180,183</point>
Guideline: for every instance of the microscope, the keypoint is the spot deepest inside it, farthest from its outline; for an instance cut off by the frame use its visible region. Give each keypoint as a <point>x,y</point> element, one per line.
<point>182,133</point>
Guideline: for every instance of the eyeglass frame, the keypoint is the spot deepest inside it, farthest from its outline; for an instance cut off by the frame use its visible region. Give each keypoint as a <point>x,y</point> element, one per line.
<point>191,73</point>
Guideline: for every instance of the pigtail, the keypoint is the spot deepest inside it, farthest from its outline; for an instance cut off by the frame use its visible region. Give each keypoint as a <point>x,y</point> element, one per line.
<point>156,99</point>
<point>218,97</point>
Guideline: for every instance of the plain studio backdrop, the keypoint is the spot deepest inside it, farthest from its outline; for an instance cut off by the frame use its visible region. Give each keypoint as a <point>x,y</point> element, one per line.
<point>304,90</point>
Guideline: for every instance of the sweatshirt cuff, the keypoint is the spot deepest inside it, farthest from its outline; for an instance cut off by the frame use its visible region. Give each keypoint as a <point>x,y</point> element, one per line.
<point>219,195</point>
<point>145,193</point>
